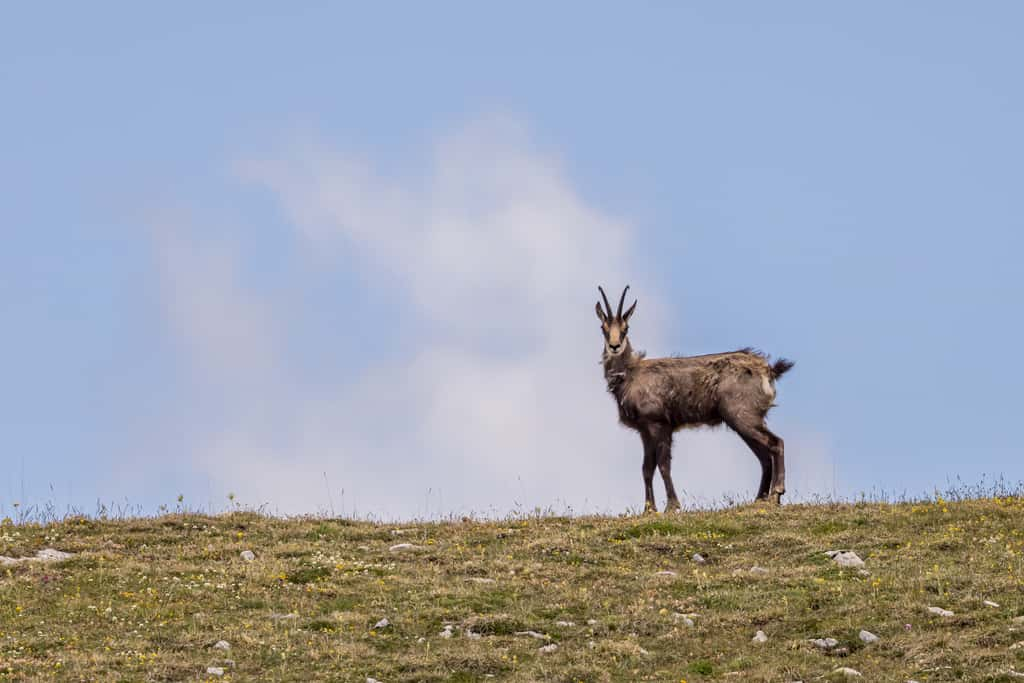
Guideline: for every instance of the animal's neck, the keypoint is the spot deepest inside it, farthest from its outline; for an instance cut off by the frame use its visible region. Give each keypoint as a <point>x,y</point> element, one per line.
<point>616,368</point>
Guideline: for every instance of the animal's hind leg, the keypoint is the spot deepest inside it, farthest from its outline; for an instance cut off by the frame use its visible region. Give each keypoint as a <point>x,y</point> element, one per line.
<point>765,459</point>
<point>768,449</point>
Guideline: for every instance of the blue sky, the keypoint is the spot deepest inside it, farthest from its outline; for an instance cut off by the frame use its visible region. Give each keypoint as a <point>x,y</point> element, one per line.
<point>287,253</point>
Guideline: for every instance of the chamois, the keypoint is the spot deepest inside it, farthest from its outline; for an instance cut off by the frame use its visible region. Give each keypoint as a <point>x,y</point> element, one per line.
<point>659,396</point>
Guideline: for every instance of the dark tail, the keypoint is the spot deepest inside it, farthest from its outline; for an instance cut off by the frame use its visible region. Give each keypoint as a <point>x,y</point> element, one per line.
<point>781,367</point>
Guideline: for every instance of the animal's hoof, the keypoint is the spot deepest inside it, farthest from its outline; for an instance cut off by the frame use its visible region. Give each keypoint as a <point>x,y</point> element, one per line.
<point>673,506</point>
<point>775,499</point>
<point>650,509</point>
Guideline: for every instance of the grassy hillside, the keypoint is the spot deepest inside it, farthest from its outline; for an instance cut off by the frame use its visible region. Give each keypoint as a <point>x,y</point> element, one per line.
<point>147,599</point>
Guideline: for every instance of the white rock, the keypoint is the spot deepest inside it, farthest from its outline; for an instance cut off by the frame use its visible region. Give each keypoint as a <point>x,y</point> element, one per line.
<point>989,603</point>
<point>760,571</point>
<point>421,639</point>
<point>446,632</point>
<point>825,643</point>
<point>547,649</point>
<point>698,558</point>
<point>687,619</point>
<point>564,623</point>
<point>940,612</point>
<point>666,572</point>
<point>480,579</point>
<point>863,572</point>
<point>215,670</point>
<point>1014,674</point>
<point>1018,645</point>
<point>845,558</point>
<point>222,645</point>
<point>472,635</point>
<point>52,555</point>
<point>868,637</point>
<point>383,623</point>
<point>532,634</point>
<point>760,637</point>
<point>247,555</point>
<point>371,680</point>
<point>403,547</point>
<point>848,672</point>
<point>591,622</point>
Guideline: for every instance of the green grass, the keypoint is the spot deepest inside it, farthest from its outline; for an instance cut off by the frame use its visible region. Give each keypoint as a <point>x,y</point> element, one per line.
<point>145,599</point>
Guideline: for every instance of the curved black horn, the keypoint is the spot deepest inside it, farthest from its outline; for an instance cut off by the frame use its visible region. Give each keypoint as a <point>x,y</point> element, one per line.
<point>622,301</point>
<point>606,304</point>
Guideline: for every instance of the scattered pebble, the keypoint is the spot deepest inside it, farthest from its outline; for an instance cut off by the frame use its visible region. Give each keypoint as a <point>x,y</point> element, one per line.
<point>863,572</point>
<point>421,639</point>
<point>848,672</point>
<point>666,572</point>
<point>989,603</point>
<point>698,558</point>
<point>446,632</point>
<point>247,555</point>
<point>215,670</point>
<point>760,571</point>
<point>760,637</point>
<point>591,622</point>
<point>825,643</point>
<point>687,619</point>
<point>277,616</point>
<point>845,558</point>
<point>383,623</point>
<point>480,579</point>
<point>1018,645</point>
<point>222,645</point>
<point>868,637</point>
<point>547,649</point>
<point>564,623</point>
<point>371,680</point>
<point>472,635</point>
<point>403,547</point>
<point>532,634</point>
<point>1014,674</point>
<point>940,612</point>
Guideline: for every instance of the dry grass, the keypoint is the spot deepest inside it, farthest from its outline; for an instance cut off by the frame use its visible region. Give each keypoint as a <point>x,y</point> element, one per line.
<point>146,599</point>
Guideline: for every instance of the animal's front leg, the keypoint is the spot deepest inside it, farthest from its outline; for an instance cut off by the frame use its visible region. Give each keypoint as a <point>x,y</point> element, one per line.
<point>650,458</point>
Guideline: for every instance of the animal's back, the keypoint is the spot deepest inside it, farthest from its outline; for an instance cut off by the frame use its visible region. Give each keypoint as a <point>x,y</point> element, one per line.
<point>690,390</point>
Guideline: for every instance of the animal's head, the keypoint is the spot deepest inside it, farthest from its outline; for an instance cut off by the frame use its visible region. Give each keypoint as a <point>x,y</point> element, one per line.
<point>614,327</point>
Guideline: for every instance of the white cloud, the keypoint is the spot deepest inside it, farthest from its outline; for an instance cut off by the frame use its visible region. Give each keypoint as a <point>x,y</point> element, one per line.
<point>500,400</point>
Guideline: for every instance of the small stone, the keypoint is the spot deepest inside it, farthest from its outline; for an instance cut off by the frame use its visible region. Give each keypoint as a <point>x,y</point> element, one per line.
<point>472,635</point>
<point>868,637</point>
<point>1018,620</point>
<point>759,571</point>
<point>845,558</point>
<point>825,643</point>
<point>446,632</point>
<point>421,639</point>
<point>566,624</point>
<point>848,672</point>
<point>698,558</point>
<point>547,649</point>
<point>940,612</point>
<point>480,579</point>
<point>591,622</point>
<point>1018,645</point>
<point>863,572</point>
<point>382,624</point>
<point>841,651</point>
<point>247,555</point>
<point>371,680</point>
<point>404,547</point>
<point>989,603</point>
<point>276,616</point>
<point>532,634</point>
<point>760,637</point>
<point>685,618</point>
<point>1014,674</point>
<point>222,645</point>
<point>666,572</point>
<point>215,670</point>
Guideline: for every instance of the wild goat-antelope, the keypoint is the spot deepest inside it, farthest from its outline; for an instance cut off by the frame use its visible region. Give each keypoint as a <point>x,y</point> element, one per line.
<point>659,396</point>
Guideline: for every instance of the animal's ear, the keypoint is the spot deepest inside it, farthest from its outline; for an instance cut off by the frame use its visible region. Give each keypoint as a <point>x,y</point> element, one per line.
<point>625,316</point>
<point>600,312</point>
